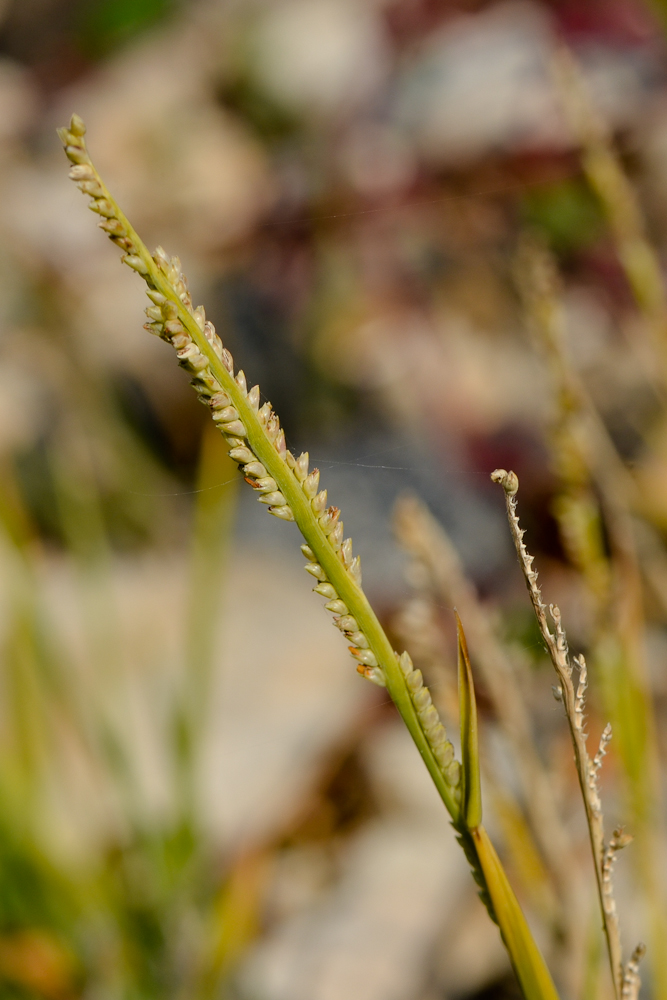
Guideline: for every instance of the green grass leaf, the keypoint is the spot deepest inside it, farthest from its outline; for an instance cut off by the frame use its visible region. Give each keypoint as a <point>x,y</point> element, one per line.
<point>530,968</point>
<point>472,792</point>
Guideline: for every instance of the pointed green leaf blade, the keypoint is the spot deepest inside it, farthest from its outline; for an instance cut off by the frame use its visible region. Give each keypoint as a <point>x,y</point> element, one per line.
<point>530,968</point>
<point>472,792</point>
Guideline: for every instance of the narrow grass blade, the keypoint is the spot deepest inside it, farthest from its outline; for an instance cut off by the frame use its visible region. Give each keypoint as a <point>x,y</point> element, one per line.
<point>472,793</point>
<point>530,968</point>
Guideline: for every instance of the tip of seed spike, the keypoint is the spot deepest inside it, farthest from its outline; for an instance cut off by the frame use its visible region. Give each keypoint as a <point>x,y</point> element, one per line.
<point>508,480</point>
<point>77,125</point>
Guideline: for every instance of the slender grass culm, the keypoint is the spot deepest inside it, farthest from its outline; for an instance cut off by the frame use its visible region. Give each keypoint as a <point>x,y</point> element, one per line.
<point>291,492</point>
<point>595,508</point>
<point>625,977</point>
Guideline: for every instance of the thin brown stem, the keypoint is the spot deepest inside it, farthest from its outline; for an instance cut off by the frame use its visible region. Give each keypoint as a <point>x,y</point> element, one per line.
<point>573,699</point>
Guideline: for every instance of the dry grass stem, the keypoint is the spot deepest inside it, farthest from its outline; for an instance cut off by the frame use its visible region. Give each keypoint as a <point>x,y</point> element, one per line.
<point>615,551</point>
<point>572,692</point>
<point>584,452</point>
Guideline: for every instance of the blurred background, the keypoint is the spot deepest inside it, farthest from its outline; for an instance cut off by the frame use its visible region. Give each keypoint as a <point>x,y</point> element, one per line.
<point>433,232</point>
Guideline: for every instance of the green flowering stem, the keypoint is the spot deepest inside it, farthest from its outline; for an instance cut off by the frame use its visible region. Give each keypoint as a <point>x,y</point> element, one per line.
<point>139,259</point>
<point>337,575</point>
<point>290,492</point>
<point>527,962</point>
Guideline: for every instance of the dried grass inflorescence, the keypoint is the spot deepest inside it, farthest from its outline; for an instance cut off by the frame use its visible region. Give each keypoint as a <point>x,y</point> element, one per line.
<point>600,508</point>
<point>573,696</point>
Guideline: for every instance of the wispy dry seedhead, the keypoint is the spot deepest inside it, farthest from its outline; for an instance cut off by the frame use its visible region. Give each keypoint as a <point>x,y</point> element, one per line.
<point>574,702</point>
<point>596,508</point>
<point>631,980</point>
<point>508,480</point>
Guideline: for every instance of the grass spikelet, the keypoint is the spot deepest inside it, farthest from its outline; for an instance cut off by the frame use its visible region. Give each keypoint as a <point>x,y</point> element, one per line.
<point>257,444</point>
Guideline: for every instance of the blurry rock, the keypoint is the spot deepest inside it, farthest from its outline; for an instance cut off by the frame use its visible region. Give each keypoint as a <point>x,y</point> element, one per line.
<point>188,174</point>
<point>319,56</point>
<point>372,937</point>
<point>482,85</point>
<point>451,374</point>
<point>285,691</point>
<point>403,906</point>
<point>376,159</point>
<point>402,784</point>
<point>620,79</point>
<point>18,101</point>
<point>470,954</point>
<point>182,168</point>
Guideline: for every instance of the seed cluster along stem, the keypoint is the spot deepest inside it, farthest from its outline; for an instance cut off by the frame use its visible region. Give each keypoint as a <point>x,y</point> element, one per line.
<point>246,430</point>
<point>625,978</point>
<point>346,588</point>
<point>290,492</point>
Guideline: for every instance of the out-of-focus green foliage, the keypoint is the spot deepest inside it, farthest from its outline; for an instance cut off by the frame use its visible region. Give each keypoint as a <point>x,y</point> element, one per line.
<point>106,24</point>
<point>566,213</point>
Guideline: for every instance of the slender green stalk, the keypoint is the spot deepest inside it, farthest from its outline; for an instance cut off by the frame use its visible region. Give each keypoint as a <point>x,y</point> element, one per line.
<point>258,445</point>
<point>214,512</point>
<point>284,484</point>
<point>526,959</point>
